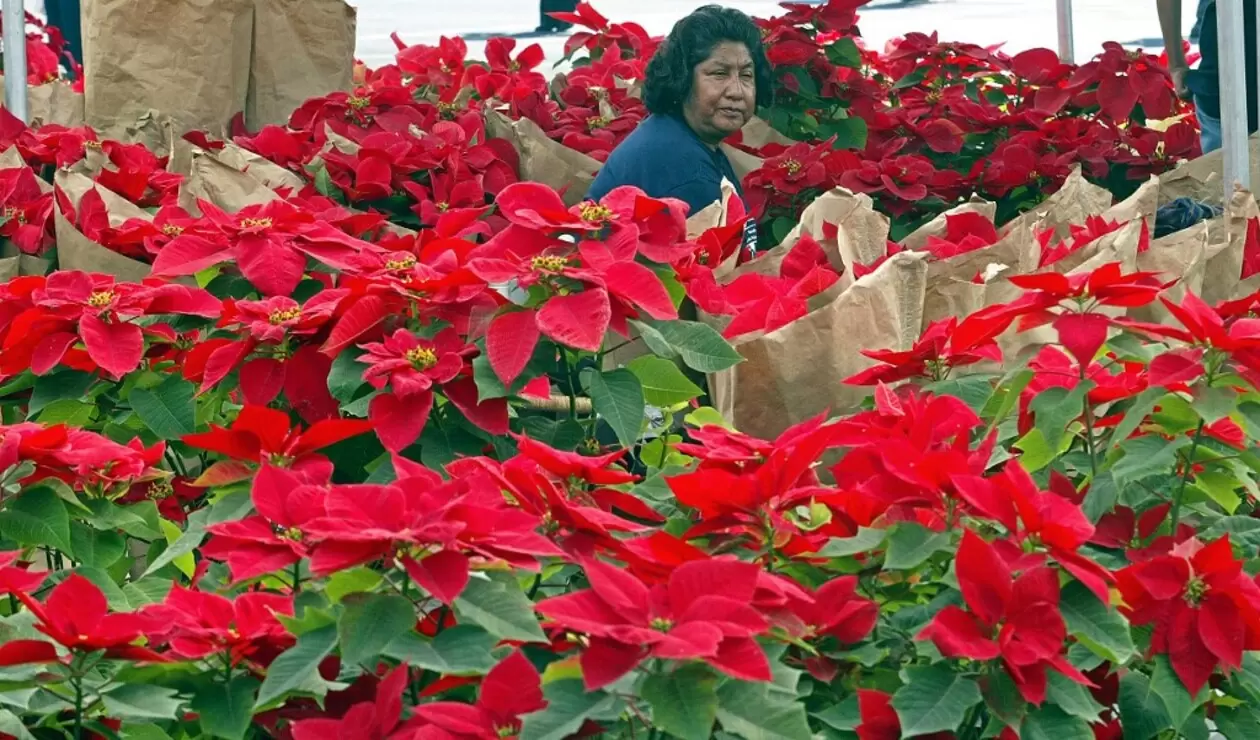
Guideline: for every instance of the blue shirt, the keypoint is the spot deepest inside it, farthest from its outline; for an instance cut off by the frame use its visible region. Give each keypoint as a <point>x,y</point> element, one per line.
<point>665,159</point>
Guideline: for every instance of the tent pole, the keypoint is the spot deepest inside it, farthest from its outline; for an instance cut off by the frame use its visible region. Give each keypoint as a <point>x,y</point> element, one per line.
<point>14,18</point>
<point>1067,45</point>
<point>1229,24</point>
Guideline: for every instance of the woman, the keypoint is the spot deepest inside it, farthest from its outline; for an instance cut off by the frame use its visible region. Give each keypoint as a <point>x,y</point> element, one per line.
<point>704,83</point>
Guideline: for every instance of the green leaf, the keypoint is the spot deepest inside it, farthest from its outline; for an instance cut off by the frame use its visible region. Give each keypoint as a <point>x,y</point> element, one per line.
<point>186,563</point>
<point>664,385</point>
<point>296,665</point>
<point>1071,697</point>
<point>1141,408</point>
<point>142,701</point>
<point>352,581</point>
<point>226,709</point>
<point>1238,723</point>
<point>934,699</point>
<point>346,377</point>
<point>167,410</point>
<point>1056,407</point>
<point>1243,531</point>
<point>844,715</point>
<point>684,702</point>
<point>1219,487</point>
<point>462,650</point>
<point>1037,453</point>
<point>1214,404</point>
<point>134,519</point>
<point>843,52</point>
<point>37,517</point>
<point>617,397</point>
<point>1167,685</point>
<point>67,384</point>
<point>369,624</point>
<point>910,544</point>
<point>1249,676</point>
<point>67,411</point>
<point>865,540</point>
<point>754,713</point>
<point>568,706</point>
<point>1095,624</point>
<point>562,434</point>
<point>1142,712</point>
<point>91,547</point>
<point>1052,723</point>
<point>11,724</point>
<point>1145,457</point>
<point>502,609</point>
<point>189,540</point>
<point>699,345</point>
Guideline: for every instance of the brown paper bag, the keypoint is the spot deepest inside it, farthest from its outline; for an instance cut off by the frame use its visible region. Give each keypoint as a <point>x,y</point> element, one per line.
<point>758,132</point>
<point>77,252</point>
<point>861,233</point>
<point>1181,256</point>
<point>1071,204</point>
<point>917,239</point>
<point>1142,204</point>
<point>1200,178</point>
<point>1227,235</point>
<point>224,186</point>
<point>553,164</point>
<point>741,161</point>
<point>951,290</point>
<point>302,49</point>
<point>259,168</point>
<point>795,372</point>
<point>53,102</point>
<point>191,59</point>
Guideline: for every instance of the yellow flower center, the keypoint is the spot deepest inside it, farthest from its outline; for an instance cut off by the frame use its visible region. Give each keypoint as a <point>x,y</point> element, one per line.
<point>547,263</point>
<point>292,534</point>
<point>289,314</point>
<point>443,206</point>
<point>160,489</point>
<point>15,213</point>
<point>1195,591</point>
<point>172,230</point>
<point>935,97</point>
<point>514,66</point>
<point>101,298</point>
<point>422,358</point>
<point>661,624</point>
<point>792,166</point>
<point>402,263</point>
<point>593,212</point>
<point>256,223</point>
<point>358,102</point>
<point>597,122</point>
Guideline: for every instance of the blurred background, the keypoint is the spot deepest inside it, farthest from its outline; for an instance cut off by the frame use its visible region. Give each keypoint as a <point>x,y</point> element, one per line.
<point>1020,24</point>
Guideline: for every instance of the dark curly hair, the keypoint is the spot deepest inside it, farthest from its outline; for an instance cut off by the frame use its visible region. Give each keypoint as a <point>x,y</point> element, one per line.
<point>671,71</point>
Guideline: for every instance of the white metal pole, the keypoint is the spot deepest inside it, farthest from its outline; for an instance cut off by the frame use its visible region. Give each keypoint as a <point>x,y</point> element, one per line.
<point>1067,45</point>
<point>14,16</point>
<point>1233,85</point>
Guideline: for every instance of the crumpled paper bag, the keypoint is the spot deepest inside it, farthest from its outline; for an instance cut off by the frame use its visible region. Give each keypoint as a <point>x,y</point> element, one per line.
<point>1071,204</point>
<point>918,238</point>
<point>302,49</point>
<point>551,163</point>
<point>951,286</point>
<point>1200,179</point>
<point>1180,256</point>
<point>1227,236</point>
<point>77,252</point>
<point>191,59</point>
<point>795,372</point>
<point>53,102</point>
<point>221,184</point>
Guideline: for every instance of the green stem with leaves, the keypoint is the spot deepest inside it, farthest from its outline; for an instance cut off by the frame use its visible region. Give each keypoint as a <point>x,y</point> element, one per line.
<point>78,708</point>
<point>1175,516</point>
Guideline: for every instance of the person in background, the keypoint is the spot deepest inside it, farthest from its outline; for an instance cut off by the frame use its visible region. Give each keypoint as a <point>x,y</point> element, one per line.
<point>1202,84</point>
<point>705,82</point>
<point>547,24</point>
<point>64,15</point>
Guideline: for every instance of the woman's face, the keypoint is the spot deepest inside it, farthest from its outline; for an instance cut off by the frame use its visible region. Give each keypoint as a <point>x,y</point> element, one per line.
<point>723,93</point>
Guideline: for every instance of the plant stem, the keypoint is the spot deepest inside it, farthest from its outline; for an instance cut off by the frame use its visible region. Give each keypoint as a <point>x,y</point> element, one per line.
<point>297,578</point>
<point>78,709</point>
<point>568,384</point>
<point>1175,517</point>
<point>1089,435</point>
